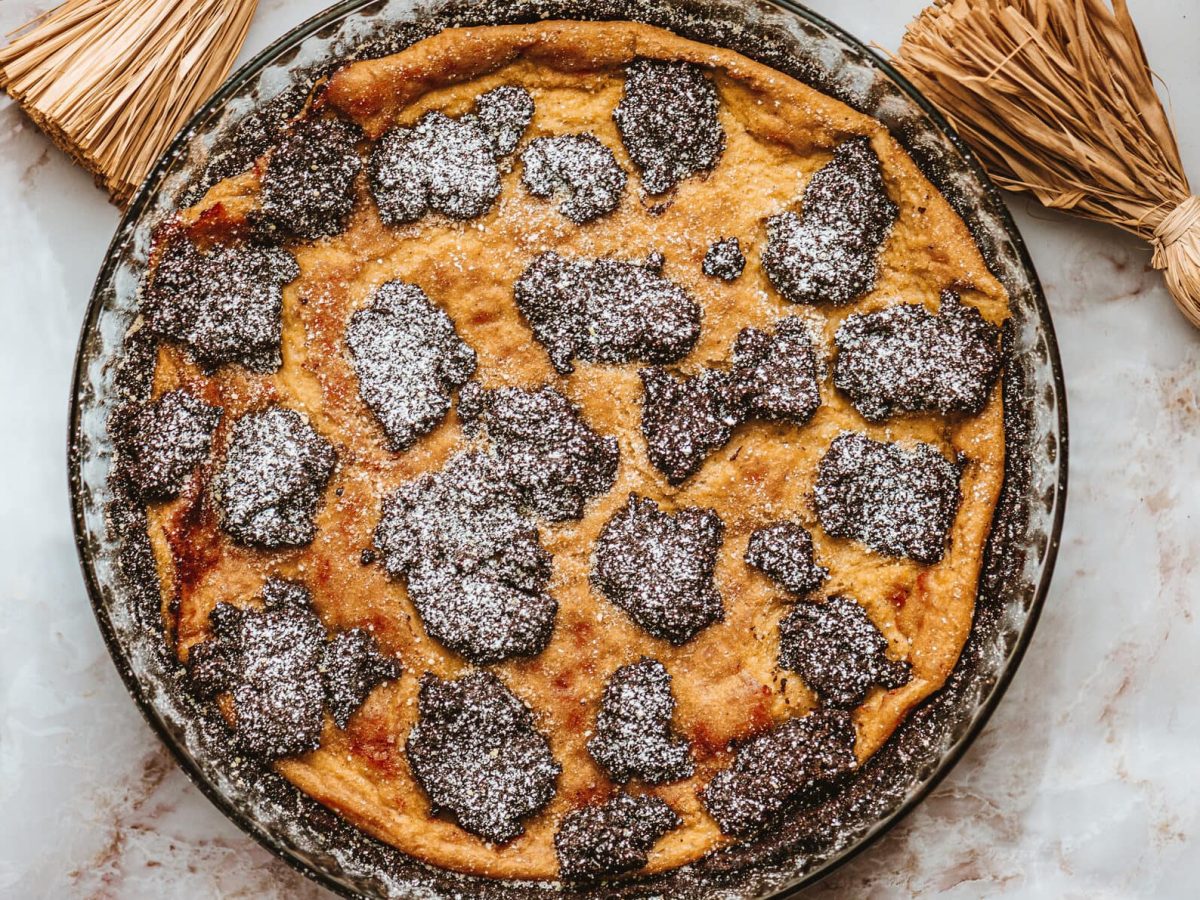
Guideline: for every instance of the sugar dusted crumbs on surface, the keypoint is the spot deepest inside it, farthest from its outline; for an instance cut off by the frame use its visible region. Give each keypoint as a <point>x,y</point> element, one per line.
<point>784,553</point>
<point>169,438</point>
<point>225,304</point>
<point>633,736</point>
<point>795,762</point>
<point>897,501</point>
<point>580,169</point>
<point>308,184</point>
<point>477,753</point>
<point>668,120</point>
<point>836,648</point>
<point>606,311</point>
<point>658,567</point>
<point>272,478</point>
<point>906,359</point>
<point>611,837</point>
<point>408,359</point>
<point>827,254</point>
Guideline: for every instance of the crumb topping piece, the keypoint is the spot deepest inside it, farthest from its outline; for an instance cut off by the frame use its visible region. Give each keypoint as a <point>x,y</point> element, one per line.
<point>658,567</point>
<point>351,667</point>
<point>906,359</point>
<point>828,254</point>
<point>275,470</point>
<point>775,375</point>
<point>611,837</point>
<point>669,121</point>
<point>477,753</point>
<point>543,447</point>
<point>783,552</point>
<point>836,648</point>
<point>606,311</point>
<point>167,439</point>
<point>683,420</point>
<point>633,736</point>
<point>474,564</point>
<point>225,304</point>
<point>579,169</point>
<point>724,260</point>
<point>279,671</point>
<point>900,502</point>
<point>408,359</point>
<point>448,165</point>
<point>795,762</point>
<point>308,185</point>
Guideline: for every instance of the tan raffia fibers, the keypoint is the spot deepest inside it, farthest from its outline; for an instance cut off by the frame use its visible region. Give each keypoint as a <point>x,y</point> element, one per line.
<point>1057,98</point>
<point>112,81</point>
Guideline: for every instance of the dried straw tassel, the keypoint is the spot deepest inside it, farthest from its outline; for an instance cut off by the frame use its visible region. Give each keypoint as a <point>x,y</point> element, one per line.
<point>1057,98</point>
<point>112,81</point>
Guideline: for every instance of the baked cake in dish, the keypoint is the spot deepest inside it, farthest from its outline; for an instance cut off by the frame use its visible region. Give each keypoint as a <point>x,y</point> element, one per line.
<point>571,449</point>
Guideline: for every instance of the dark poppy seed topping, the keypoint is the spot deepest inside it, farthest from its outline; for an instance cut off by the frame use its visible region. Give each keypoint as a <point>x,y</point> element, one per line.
<point>408,359</point>
<point>474,564</point>
<point>448,165</point>
<point>633,736</point>
<point>658,567</point>
<point>167,439</point>
<point>669,122</point>
<point>308,185</point>
<point>579,169</point>
<point>683,420</point>
<point>897,501</point>
<point>795,762</point>
<point>784,553</point>
<point>351,667</point>
<point>279,671</point>
<point>775,375</point>
<point>828,254</point>
<point>606,311</point>
<point>543,447</point>
<point>225,304</point>
<point>724,260</point>
<point>275,470</point>
<point>836,648</point>
<point>477,753</point>
<point>611,837</point>
<point>503,114</point>
<point>906,359</point>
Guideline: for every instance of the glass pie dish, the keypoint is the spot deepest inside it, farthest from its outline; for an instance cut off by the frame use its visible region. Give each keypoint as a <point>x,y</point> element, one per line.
<point>239,122</point>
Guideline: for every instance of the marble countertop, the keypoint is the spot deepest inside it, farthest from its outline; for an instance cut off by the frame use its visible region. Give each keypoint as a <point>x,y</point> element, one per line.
<point>1085,783</point>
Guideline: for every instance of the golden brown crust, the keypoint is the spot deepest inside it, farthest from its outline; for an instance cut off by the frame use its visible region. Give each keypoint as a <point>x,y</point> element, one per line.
<point>726,680</point>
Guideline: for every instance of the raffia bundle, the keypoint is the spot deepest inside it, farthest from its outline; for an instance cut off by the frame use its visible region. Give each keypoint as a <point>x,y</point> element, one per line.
<point>112,81</point>
<point>1057,98</point>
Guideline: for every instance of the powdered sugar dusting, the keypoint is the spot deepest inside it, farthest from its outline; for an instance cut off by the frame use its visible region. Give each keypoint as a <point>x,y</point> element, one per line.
<point>606,311</point>
<point>611,837</point>
<point>308,185</point>
<point>836,648</point>
<point>577,167</point>
<point>828,255</point>
<point>408,359</point>
<point>168,439</point>
<point>668,119</point>
<point>783,552</point>
<point>658,567</point>
<point>795,762</point>
<point>906,359</point>
<point>274,472</point>
<point>898,501</point>
<point>633,736</point>
<point>224,304</point>
<point>477,753</point>
<point>448,165</point>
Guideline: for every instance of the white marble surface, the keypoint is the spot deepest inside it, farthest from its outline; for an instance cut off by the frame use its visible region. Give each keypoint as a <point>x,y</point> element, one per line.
<point>1085,784</point>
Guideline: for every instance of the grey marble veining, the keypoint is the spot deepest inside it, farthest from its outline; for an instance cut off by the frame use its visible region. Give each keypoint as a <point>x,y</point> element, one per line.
<point>1085,784</point>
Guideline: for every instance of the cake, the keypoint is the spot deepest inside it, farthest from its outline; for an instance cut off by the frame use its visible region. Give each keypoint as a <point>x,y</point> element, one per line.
<point>571,449</point>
